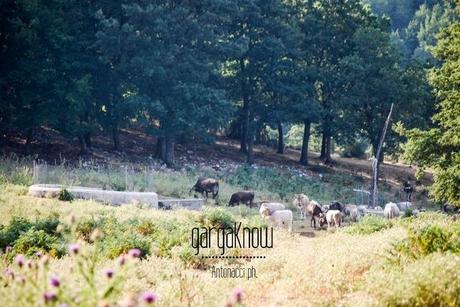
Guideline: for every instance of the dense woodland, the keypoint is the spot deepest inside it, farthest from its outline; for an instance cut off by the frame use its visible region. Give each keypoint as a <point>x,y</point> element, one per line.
<point>188,70</point>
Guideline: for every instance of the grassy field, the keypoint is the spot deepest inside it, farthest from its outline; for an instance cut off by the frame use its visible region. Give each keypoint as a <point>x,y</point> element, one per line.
<point>407,262</point>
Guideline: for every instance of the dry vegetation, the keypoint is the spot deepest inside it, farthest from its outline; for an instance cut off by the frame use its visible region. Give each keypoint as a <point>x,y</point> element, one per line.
<point>370,263</point>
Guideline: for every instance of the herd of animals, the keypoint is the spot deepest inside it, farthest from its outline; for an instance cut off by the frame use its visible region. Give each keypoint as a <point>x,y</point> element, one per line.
<point>331,215</point>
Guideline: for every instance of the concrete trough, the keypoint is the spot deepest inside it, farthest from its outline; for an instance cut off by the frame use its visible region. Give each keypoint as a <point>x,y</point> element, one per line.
<point>107,196</point>
<point>174,203</point>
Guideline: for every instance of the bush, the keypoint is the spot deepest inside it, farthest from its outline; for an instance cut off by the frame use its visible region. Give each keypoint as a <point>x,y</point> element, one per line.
<point>217,218</point>
<point>369,224</point>
<point>430,281</point>
<point>428,239</point>
<point>85,228</point>
<point>355,150</point>
<point>33,241</point>
<point>65,195</point>
<point>115,245</point>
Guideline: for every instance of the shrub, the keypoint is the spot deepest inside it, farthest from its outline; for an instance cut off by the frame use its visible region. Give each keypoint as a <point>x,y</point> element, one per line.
<point>428,239</point>
<point>216,217</point>
<point>85,228</point>
<point>430,281</point>
<point>369,224</point>
<point>33,241</point>
<point>65,195</point>
<point>116,245</point>
<point>355,150</point>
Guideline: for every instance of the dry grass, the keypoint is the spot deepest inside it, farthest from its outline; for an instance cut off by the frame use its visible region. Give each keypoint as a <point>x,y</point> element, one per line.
<point>328,269</point>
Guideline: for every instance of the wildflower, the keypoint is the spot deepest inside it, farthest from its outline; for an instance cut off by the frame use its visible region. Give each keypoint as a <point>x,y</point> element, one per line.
<point>10,273</point>
<point>54,281</point>
<point>74,248</point>
<point>22,279</point>
<point>20,260</point>
<point>109,273</point>
<point>63,305</point>
<point>238,294</point>
<point>39,255</point>
<point>49,296</point>
<point>149,297</point>
<point>8,249</point>
<point>134,252</point>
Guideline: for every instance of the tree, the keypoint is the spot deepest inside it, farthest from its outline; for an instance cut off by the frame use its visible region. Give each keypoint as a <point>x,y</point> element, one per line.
<point>439,147</point>
<point>175,68</point>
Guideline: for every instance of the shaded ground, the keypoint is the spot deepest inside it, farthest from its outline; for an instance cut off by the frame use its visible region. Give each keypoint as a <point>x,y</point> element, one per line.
<point>137,147</point>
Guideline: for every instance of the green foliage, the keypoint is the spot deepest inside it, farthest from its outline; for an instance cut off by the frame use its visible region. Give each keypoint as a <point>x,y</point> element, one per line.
<point>370,224</point>
<point>216,218</point>
<point>65,195</point>
<point>427,239</point>
<point>355,150</point>
<point>33,241</point>
<point>438,147</point>
<point>429,281</point>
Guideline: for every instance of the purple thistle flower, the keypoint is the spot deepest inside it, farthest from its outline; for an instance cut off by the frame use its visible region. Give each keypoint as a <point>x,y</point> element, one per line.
<point>39,255</point>
<point>238,294</point>
<point>134,252</point>
<point>149,297</point>
<point>10,273</point>
<point>49,296</point>
<point>20,260</point>
<point>109,273</point>
<point>8,249</point>
<point>74,248</point>
<point>54,281</point>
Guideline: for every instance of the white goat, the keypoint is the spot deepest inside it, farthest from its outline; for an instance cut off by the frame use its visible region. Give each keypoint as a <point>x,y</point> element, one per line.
<point>391,211</point>
<point>279,218</point>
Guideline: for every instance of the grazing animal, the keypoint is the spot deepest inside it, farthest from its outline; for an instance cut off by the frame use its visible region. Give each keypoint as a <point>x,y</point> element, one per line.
<point>403,206</point>
<point>301,201</point>
<point>408,188</point>
<point>334,218</point>
<point>314,210</point>
<point>337,206</point>
<point>391,211</point>
<point>448,208</point>
<point>362,210</point>
<point>353,212</point>
<point>278,218</point>
<point>245,197</point>
<point>271,207</point>
<point>206,185</point>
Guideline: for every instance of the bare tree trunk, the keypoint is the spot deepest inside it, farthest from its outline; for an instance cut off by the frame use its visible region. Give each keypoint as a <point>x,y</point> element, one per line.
<point>376,162</point>
<point>169,158</point>
<point>305,141</point>
<point>280,138</point>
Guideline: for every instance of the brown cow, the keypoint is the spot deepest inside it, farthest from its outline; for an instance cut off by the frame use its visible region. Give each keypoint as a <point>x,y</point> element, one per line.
<point>245,197</point>
<point>206,185</point>
<point>314,210</point>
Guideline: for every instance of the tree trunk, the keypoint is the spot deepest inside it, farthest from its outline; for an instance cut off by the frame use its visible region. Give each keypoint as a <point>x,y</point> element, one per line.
<point>323,146</point>
<point>169,151</point>
<point>83,147</point>
<point>328,149</point>
<point>280,138</point>
<point>29,139</point>
<point>250,151</point>
<point>375,162</point>
<point>116,138</point>
<point>88,139</point>
<point>305,141</point>
<point>245,112</point>
<point>160,148</point>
